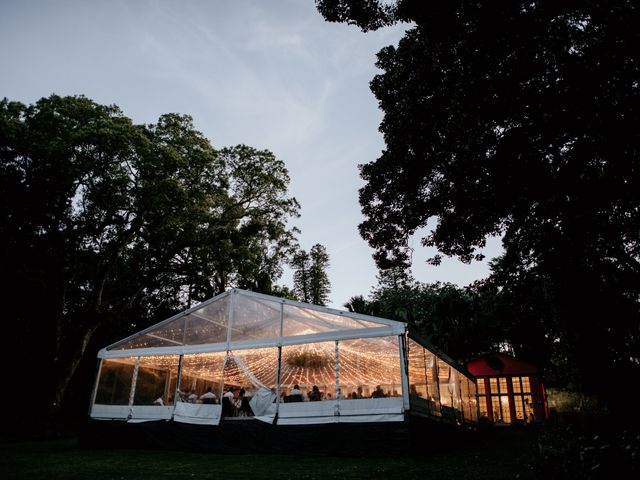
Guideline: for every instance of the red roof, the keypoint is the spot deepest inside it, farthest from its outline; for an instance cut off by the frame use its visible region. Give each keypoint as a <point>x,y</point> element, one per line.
<point>495,364</point>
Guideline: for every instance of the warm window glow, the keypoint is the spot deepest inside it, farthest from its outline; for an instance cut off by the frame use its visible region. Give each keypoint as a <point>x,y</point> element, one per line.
<point>481,390</point>
<point>495,407</point>
<point>506,414</point>
<point>493,385</point>
<point>526,386</point>
<point>517,399</point>
<point>528,407</point>
<point>484,412</point>
<point>503,385</point>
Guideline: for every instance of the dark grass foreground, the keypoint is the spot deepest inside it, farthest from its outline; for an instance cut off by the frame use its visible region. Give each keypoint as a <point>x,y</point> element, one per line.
<point>496,454</point>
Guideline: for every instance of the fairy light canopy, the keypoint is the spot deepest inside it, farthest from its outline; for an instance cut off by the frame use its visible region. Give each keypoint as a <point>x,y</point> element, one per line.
<point>239,319</point>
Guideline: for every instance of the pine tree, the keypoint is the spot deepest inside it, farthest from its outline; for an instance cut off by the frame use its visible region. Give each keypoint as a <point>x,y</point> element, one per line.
<point>310,280</point>
<point>319,285</point>
<point>301,264</point>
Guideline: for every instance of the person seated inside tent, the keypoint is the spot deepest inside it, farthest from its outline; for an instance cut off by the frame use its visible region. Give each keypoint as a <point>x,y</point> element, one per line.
<point>357,394</point>
<point>314,394</point>
<point>192,398</point>
<point>378,392</point>
<point>295,395</point>
<point>159,401</point>
<point>227,405</point>
<point>182,396</point>
<point>208,397</point>
<point>236,401</point>
<point>245,408</point>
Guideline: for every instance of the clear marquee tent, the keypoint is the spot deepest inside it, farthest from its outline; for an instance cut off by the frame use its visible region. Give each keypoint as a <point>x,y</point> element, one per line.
<point>366,369</point>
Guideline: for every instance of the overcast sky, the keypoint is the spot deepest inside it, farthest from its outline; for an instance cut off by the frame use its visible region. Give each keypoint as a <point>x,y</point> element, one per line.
<point>270,74</point>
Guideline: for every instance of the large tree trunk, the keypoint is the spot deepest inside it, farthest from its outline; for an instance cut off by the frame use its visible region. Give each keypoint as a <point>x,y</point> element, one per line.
<point>66,371</point>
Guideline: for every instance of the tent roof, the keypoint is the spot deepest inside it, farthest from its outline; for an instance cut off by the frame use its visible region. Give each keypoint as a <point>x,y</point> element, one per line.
<point>242,319</point>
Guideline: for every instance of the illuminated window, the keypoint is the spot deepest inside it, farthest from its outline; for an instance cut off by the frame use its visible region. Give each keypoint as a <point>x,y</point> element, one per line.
<point>481,390</point>
<point>528,407</point>
<point>493,385</point>
<point>503,385</point>
<point>521,386</point>
<point>515,383</point>
<point>504,403</point>
<point>498,388</point>
<point>495,406</point>
<point>517,399</point>
<point>484,412</point>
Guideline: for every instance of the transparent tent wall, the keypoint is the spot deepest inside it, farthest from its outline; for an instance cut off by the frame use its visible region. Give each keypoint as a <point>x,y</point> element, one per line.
<point>417,371</point>
<point>466,402</point>
<point>308,365</point>
<point>201,373</point>
<point>423,384</point>
<point>114,384</point>
<point>251,369</point>
<point>370,368</point>
<point>473,400</point>
<point>439,388</point>
<point>364,368</point>
<point>156,380</point>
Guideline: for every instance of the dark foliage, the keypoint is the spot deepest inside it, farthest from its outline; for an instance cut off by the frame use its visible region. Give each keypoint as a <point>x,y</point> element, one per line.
<point>107,227</point>
<point>518,119</point>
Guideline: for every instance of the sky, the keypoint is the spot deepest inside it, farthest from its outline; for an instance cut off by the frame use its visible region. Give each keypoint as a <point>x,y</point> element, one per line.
<point>270,74</point>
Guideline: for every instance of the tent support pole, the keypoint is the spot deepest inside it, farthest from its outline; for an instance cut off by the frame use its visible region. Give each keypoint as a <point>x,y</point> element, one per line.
<point>278,380</point>
<point>96,380</point>
<point>338,393</point>
<point>134,381</point>
<point>402,343</point>
<point>178,380</point>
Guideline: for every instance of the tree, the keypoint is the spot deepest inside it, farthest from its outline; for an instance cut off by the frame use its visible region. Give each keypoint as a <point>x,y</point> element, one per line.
<point>460,321</point>
<point>301,264</point>
<point>310,280</point>
<point>517,119</point>
<point>319,285</point>
<point>106,224</point>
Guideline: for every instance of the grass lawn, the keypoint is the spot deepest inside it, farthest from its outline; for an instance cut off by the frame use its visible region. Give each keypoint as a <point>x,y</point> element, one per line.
<point>497,454</point>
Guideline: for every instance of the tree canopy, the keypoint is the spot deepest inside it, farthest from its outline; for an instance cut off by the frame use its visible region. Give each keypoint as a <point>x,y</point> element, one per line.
<point>108,224</point>
<point>517,119</point>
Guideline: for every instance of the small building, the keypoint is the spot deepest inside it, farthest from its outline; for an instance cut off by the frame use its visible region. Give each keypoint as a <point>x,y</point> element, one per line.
<point>510,390</point>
